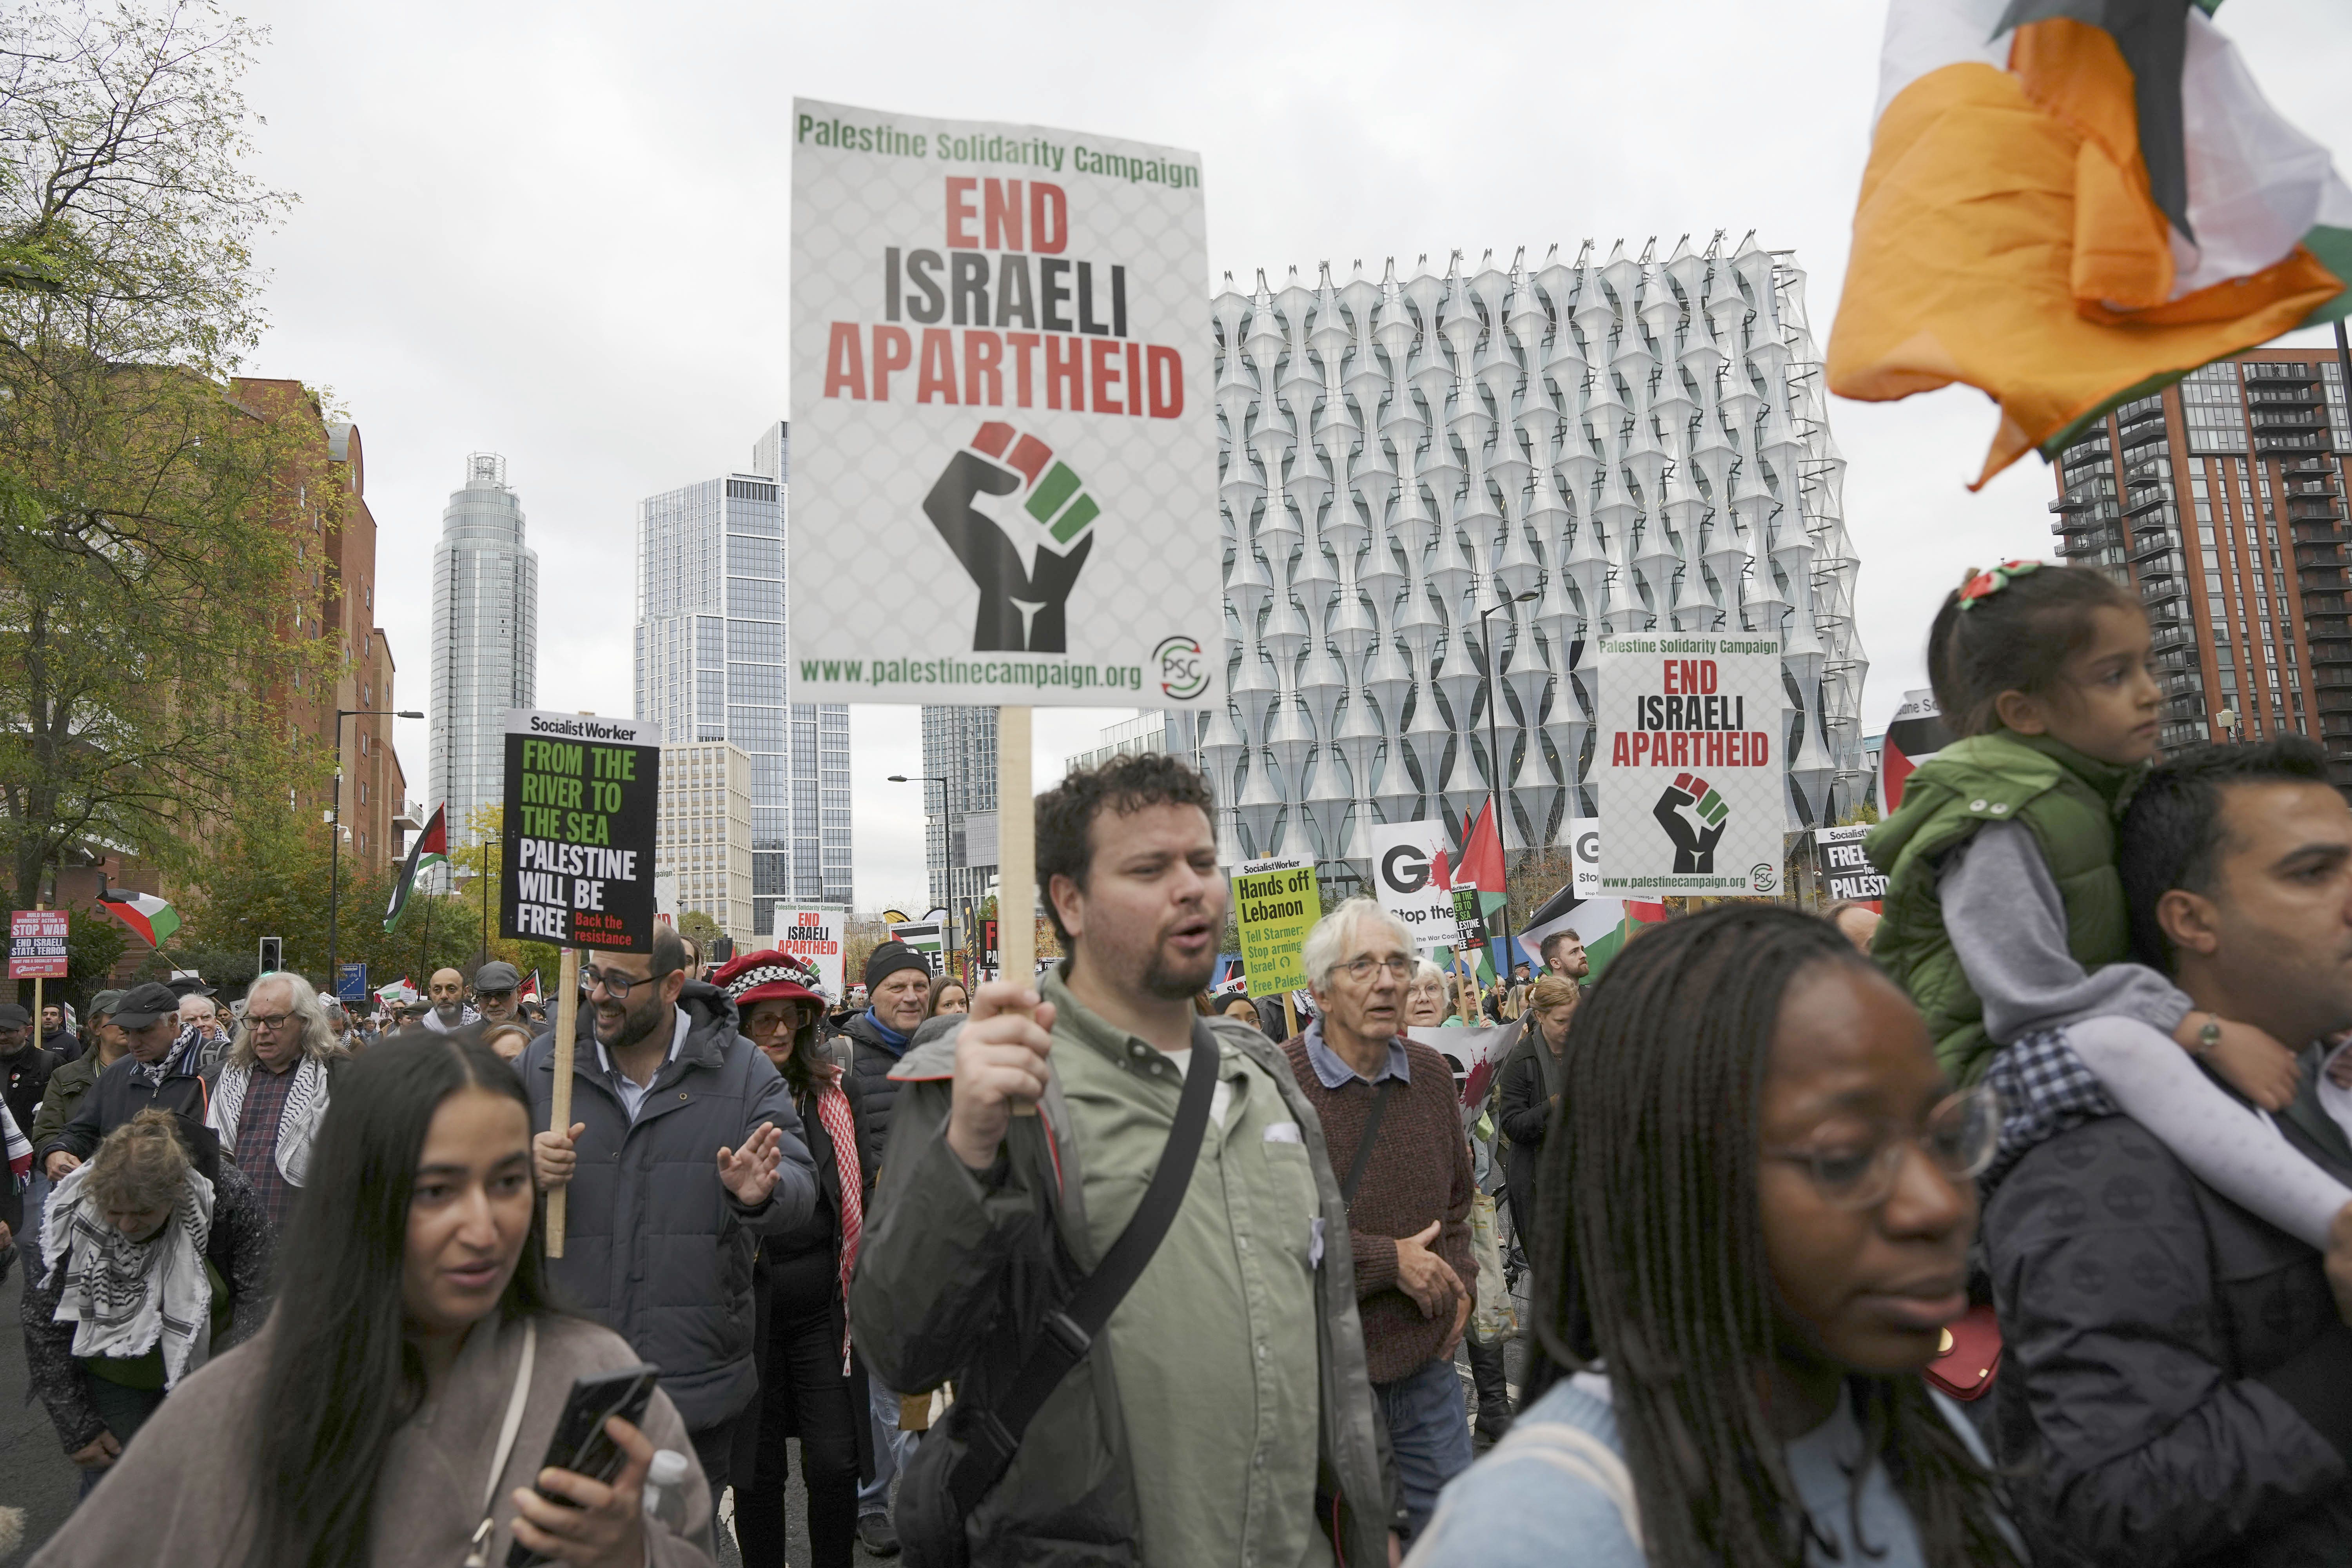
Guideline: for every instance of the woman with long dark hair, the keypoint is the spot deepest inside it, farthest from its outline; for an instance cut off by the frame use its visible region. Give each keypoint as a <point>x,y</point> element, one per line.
<point>1768,1185</point>
<point>395,1409</point>
<point>810,1385</point>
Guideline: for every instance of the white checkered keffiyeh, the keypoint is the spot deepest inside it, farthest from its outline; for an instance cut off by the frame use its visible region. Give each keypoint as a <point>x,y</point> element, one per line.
<point>786,974</point>
<point>2044,1090</point>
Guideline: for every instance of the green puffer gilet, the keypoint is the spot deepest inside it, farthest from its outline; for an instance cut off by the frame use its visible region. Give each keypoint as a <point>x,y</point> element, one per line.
<point>2072,803</point>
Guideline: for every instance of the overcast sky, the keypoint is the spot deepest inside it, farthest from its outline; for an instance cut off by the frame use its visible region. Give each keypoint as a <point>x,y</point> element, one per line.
<point>560,233</point>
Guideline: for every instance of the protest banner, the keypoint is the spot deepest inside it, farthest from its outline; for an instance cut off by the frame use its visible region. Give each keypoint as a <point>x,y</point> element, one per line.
<point>1584,846</point>
<point>815,932</point>
<point>1917,732</point>
<point>36,945</point>
<point>1409,877</point>
<point>1275,902</point>
<point>576,858</point>
<point>1688,758</point>
<point>926,937</point>
<point>1000,386</point>
<point>1846,870</point>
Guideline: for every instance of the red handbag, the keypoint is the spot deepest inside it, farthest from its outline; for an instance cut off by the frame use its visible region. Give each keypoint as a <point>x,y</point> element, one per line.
<point>1970,1358</point>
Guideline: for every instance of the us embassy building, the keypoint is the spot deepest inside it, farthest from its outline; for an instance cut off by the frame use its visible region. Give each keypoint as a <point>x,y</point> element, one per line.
<point>1436,489</point>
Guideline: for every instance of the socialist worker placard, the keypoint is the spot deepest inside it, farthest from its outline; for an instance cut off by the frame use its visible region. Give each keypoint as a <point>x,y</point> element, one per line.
<point>1004,483</point>
<point>1690,763</point>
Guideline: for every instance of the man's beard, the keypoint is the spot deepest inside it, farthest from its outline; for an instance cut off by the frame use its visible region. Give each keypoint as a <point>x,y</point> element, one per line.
<point>450,1011</point>
<point>1170,984</point>
<point>637,1022</point>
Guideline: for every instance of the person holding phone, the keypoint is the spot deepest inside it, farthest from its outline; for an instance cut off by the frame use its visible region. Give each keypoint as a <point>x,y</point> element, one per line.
<point>397,1409</point>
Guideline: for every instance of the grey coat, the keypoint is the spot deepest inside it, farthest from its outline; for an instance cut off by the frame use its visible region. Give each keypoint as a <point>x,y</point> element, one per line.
<point>2176,1386</point>
<point>655,1247</point>
<point>952,1283</point>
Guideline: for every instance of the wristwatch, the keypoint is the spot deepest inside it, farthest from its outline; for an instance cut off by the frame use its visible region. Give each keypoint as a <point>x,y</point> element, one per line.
<point>2208,1037</point>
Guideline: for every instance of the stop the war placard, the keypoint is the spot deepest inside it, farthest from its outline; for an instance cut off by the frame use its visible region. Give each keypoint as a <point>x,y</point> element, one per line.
<point>1003,452</point>
<point>1409,876</point>
<point>1693,791</point>
<point>1275,904</point>
<point>577,853</point>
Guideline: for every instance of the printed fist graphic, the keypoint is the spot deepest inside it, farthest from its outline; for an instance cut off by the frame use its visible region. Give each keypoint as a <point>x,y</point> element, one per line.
<point>1692,815</point>
<point>1025,566</point>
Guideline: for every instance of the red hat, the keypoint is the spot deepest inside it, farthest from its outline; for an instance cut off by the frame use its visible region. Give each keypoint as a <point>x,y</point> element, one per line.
<point>774,976</point>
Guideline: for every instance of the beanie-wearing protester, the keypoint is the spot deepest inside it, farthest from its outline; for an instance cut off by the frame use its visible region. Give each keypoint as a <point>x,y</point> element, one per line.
<point>396,1414</point>
<point>810,1385</point>
<point>157,1255</point>
<point>1767,1183</point>
<point>898,998</point>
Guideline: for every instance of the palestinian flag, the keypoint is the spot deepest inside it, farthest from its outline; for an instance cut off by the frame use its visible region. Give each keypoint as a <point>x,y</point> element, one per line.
<point>150,917</point>
<point>1915,733</point>
<point>399,993</point>
<point>2070,204</point>
<point>432,847</point>
<point>1605,925</point>
<point>530,987</point>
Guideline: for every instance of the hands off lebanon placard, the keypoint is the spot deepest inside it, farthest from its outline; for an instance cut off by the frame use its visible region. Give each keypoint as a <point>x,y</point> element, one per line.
<point>1005,464</point>
<point>577,849</point>
<point>1692,780</point>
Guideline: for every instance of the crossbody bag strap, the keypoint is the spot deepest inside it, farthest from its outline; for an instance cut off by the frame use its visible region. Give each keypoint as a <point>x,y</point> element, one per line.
<point>1364,1144</point>
<point>479,1556</point>
<point>993,1436</point>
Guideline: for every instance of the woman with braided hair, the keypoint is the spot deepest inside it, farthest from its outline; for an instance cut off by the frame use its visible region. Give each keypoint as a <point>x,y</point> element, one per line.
<point>1767,1182</point>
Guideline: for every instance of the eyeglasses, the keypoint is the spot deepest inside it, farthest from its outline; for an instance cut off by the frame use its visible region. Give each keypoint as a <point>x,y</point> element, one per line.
<point>1859,1172</point>
<point>614,982</point>
<point>273,1022</point>
<point>1398,966</point>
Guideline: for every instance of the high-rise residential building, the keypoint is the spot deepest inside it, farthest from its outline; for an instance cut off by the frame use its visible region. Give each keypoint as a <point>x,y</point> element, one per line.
<point>485,641</point>
<point>2250,631</point>
<point>1151,729</point>
<point>959,746</point>
<point>709,661</point>
<point>1642,444</point>
<point>705,834</point>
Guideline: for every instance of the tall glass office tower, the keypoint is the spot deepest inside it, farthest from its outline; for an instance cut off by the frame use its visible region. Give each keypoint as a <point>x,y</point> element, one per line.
<point>485,640</point>
<point>710,666</point>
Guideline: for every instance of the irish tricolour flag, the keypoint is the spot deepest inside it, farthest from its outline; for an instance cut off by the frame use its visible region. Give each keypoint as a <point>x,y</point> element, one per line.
<point>150,917</point>
<point>2071,204</point>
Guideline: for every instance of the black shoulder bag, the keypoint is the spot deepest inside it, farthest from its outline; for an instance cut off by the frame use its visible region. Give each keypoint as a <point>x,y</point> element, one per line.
<point>932,1528</point>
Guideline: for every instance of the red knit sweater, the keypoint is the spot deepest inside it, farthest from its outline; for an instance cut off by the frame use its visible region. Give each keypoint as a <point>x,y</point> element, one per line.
<point>1420,1171</point>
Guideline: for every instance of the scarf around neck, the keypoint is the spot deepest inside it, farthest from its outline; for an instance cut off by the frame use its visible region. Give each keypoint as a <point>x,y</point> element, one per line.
<point>841,1130</point>
<point>124,1297</point>
<point>298,1122</point>
<point>889,1037</point>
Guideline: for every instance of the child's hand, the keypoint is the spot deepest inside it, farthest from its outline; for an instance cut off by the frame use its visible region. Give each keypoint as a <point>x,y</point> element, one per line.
<point>2264,1070</point>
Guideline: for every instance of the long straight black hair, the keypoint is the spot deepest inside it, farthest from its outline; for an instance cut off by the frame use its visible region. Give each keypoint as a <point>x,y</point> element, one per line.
<point>342,1377</point>
<point>1652,1176</point>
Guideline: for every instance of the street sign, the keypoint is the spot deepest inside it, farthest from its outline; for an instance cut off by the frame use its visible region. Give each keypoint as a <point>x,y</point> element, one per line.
<point>578,845</point>
<point>351,982</point>
<point>36,944</point>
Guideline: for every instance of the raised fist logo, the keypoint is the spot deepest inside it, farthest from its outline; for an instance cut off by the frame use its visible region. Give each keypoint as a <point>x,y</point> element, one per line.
<point>1025,566</point>
<point>1695,834</point>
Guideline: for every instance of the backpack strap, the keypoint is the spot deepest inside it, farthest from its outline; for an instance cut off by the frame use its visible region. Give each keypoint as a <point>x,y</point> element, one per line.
<point>1364,1144</point>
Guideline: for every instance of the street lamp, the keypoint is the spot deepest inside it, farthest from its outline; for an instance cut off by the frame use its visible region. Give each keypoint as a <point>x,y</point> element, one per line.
<point>1495,763</point>
<point>335,834</point>
<point>946,826</point>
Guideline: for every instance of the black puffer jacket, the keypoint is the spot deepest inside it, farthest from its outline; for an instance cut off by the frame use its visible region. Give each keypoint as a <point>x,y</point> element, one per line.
<point>871,1060</point>
<point>2176,1386</point>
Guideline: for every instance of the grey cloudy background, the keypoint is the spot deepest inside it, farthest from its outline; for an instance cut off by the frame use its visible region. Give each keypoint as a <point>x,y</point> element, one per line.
<point>559,232</point>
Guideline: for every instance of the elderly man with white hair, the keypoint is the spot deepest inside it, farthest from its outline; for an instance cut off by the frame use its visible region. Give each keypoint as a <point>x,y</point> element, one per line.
<point>1394,1128</point>
<point>271,1092</point>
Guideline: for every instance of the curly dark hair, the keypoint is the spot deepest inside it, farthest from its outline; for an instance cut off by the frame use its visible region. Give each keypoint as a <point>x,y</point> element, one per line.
<point>1124,785</point>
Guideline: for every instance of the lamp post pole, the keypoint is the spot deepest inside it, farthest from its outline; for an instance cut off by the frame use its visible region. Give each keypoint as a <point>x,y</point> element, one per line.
<point>335,838</point>
<point>946,826</point>
<point>1494,766</point>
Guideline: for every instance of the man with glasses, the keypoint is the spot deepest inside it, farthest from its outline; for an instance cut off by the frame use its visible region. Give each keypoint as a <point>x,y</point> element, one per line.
<point>497,984</point>
<point>1393,1127</point>
<point>269,1095</point>
<point>683,1151</point>
<point>2176,1381</point>
<point>159,1071</point>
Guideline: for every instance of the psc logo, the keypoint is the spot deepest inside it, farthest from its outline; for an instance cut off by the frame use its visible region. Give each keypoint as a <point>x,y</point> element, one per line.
<point>1183,668</point>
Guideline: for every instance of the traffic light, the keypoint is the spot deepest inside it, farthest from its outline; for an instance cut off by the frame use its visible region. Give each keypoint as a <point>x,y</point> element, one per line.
<point>273,955</point>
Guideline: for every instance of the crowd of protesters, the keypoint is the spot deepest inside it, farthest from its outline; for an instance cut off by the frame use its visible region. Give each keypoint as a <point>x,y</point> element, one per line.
<point>2011,1224</point>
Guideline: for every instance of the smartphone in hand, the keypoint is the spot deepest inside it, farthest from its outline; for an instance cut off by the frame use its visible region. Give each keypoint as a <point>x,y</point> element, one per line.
<point>580,1444</point>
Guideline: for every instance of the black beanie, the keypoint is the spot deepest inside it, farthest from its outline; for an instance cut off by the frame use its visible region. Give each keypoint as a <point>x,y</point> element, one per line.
<point>887,960</point>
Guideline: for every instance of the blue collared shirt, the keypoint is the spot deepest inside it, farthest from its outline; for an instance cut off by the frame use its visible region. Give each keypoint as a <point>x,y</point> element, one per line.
<point>1334,1070</point>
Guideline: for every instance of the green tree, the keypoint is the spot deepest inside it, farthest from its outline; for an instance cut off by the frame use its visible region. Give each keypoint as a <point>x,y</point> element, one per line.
<point>152,562</point>
<point>697,927</point>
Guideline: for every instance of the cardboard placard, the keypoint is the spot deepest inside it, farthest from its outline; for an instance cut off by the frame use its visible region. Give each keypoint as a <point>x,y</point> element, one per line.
<point>581,798</point>
<point>1275,903</point>
<point>1693,775</point>
<point>1847,871</point>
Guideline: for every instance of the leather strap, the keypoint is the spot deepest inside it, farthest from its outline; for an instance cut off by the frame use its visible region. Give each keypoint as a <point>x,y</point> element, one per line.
<point>994,1435</point>
<point>1364,1144</point>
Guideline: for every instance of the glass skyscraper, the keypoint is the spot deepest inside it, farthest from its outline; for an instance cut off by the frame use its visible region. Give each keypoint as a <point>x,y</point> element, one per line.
<point>485,640</point>
<point>710,666</point>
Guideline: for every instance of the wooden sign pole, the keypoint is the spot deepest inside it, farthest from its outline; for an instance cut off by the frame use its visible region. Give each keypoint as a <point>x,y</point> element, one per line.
<point>567,1022</point>
<point>37,1003</point>
<point>1016,863</point>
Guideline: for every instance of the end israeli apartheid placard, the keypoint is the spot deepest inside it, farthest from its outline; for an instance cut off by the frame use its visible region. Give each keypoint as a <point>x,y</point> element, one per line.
<point>1003,452</point>
<point>577,864</point>
<point>1275,903</point>
<point>1693,791</point>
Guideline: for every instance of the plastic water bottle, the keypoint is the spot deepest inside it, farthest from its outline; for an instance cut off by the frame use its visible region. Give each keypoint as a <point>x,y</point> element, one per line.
<point>665,1490</point>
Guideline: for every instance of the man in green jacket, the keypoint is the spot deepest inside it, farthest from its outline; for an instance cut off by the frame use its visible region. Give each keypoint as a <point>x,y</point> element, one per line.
<point>1225,1414</point>
<point>105,1043</point>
